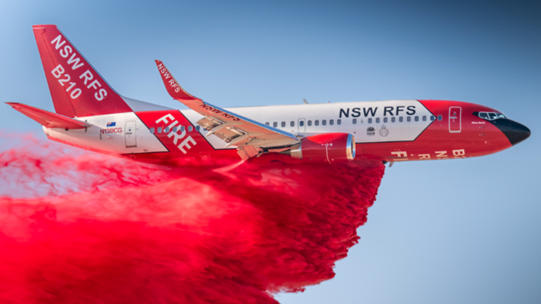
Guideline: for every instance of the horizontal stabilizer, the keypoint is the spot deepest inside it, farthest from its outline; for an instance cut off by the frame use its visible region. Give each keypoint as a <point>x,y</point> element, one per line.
<point>48,119</point>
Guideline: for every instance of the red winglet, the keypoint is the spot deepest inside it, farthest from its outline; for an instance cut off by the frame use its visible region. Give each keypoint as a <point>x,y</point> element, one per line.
<point>172,86</point>
<point>48,119</point>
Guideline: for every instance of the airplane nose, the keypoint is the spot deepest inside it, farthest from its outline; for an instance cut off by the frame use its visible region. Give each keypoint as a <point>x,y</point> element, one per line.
<point>513,130</point>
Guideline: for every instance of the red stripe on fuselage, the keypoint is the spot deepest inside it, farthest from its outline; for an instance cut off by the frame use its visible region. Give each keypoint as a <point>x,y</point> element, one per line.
<point>476,137</point>
<point>185,144</point>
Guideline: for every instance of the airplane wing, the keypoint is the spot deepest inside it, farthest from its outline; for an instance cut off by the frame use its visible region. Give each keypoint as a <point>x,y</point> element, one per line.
<point>48,119</point>
<point>250,137</point>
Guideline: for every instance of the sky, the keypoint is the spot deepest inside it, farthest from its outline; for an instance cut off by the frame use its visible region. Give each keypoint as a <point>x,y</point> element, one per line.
<point>455,231</point>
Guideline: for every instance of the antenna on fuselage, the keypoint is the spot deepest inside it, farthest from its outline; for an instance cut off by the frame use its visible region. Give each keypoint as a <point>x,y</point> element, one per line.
<point>305,102</point>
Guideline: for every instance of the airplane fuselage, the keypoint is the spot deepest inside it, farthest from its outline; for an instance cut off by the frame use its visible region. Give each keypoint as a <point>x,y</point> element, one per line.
<point>393,130</point>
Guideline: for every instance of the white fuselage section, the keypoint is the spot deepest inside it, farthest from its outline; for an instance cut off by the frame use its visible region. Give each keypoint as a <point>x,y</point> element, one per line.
<point>369,122</point>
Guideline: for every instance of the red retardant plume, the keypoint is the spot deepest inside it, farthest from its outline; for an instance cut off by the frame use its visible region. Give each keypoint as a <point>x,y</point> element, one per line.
<point>77,227</point>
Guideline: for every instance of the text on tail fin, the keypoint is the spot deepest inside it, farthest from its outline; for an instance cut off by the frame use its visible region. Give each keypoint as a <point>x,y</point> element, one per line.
<point>76,88</point>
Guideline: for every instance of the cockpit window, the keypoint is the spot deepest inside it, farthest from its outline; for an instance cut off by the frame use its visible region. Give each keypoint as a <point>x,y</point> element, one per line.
<point>490,115</point>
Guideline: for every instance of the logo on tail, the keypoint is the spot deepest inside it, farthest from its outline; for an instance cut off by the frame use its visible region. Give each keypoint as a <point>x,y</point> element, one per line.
<point>76,88</point>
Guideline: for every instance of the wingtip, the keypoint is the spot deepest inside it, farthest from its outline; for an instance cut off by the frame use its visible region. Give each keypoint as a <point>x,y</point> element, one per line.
<point>173,87</point>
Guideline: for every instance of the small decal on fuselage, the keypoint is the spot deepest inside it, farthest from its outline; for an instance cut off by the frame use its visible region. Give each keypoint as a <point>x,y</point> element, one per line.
<point>370,131</point>
<point>111,130</point>
<point>383,131</point>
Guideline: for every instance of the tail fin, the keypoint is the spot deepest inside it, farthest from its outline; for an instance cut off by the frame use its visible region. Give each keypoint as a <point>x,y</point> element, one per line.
<point>76,88</point>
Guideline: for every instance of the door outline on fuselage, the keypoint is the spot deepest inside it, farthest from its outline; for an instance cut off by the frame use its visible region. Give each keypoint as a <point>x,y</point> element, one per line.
<point>303,128</point>
<point>452,123</point>
<point>129,134</point>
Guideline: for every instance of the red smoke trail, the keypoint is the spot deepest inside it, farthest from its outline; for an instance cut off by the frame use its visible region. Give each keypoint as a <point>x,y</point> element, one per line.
<point>84,228</point>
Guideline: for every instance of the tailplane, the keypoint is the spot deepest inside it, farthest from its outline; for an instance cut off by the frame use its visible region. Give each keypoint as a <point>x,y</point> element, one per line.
<point>76,88</point>
<point>48,119</point>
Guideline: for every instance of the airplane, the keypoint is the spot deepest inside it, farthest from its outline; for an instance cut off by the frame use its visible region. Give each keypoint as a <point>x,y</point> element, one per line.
<point>91,115</point>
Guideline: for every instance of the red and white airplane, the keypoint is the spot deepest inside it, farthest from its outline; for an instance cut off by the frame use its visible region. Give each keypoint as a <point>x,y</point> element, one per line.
<point>91,115</point>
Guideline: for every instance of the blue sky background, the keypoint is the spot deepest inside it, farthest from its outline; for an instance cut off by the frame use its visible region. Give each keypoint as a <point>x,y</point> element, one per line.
<point>457,231</point>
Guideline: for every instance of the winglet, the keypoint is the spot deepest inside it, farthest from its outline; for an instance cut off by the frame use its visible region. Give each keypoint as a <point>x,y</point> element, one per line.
<point>48,119</point>
<point>172,86</point>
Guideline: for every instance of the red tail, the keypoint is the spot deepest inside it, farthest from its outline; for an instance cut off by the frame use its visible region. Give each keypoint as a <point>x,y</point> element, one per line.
<point>76,88</point>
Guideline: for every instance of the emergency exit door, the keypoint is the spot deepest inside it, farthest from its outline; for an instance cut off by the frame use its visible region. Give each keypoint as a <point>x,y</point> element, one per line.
<point>455,119</point>
<point>302,125</point>
<point>129,134</point>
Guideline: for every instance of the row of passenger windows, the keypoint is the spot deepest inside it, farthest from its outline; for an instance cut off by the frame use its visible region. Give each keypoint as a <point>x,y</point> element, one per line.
<point>309,123</point>
<point>174,129</point>
<point>354,121</point>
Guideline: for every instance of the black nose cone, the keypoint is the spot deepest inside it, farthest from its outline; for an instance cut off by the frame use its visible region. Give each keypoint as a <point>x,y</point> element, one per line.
<point>514,131</point>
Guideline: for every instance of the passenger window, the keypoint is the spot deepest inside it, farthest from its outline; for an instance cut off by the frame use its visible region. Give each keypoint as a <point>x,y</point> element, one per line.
<point>292,123</point>
<point>182,128</point>
<point>393,119</point>
<point>166,129</point>
<point>408,119</point>
<point>283,124</point>
<point>267,123</point>
<point>175,129</point>
<point>369,120</point>
<point>400,119</point>
<point>385,119</point>
<point>190,129</point>
<point>424,117</point>
<point>160,130</point>
<point>324,122</point>
<point>275,124</point>
<point>354,121</point>
<point>301,123</point>
<point>338,121</point>
<point>416,118</point>
<point>197,128</point>
<point>331,122</point>
<point>316,123</point>
<point>432,117</point>
<point>440,117</point>
<point>309,123</point>
<point>377,120</point>
<point>152,130</point>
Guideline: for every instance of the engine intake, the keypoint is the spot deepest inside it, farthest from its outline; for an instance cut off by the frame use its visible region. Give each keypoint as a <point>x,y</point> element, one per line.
<point>327,147</point>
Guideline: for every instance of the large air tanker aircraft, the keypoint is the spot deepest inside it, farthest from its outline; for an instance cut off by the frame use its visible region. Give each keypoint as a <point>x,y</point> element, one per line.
<point>92,116</point>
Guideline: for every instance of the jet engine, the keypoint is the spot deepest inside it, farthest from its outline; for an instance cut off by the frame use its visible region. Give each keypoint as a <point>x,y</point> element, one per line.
<point>327,147</point>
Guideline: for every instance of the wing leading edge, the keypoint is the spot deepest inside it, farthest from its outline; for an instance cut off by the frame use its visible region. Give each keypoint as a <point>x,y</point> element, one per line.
<point>250,137</point>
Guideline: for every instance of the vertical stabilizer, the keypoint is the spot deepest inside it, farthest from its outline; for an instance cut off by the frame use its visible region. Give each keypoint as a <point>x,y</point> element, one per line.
<point>76,88</point>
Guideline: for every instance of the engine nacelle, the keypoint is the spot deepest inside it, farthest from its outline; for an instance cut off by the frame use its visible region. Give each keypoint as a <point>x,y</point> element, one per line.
<point>327,147</point>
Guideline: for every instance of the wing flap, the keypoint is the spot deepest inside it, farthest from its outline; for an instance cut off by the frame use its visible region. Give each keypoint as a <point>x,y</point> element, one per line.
<point>230,127</point>
<point>48,119</point>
